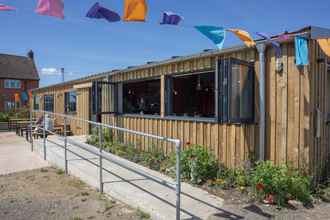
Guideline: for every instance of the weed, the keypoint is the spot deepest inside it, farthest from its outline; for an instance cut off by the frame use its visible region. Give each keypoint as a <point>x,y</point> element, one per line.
<point>142,214</point>
<point>59,172</point>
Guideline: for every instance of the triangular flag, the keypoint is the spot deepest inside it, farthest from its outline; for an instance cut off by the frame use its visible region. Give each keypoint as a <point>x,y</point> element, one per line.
<point>97,11</point>
<point>325,45</point>
<point>30,94</point>
<point>216,34</point>
<point>171,18</point>
<point>6,8</point>
<point>244,36</point>
<point>17,97</point>
<point>301,48</point>
<point>53,8</point>
<point>135,10</point>
<point>276,45</point>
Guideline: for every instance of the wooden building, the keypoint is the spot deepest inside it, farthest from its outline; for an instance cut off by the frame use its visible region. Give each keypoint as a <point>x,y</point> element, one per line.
<point>213,99</point>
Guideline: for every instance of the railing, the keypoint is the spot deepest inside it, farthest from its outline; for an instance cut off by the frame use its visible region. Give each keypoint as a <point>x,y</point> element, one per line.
<point>99,153</point>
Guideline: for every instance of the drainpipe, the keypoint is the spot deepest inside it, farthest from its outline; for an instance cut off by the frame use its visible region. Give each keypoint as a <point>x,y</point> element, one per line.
<point>262,133</point>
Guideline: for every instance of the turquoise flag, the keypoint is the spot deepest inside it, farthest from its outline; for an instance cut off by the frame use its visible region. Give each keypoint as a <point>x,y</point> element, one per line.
<point>301,46</point>
<point>216,34</point>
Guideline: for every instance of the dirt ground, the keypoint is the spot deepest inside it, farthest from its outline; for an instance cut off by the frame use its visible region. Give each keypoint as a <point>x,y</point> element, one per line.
<point>244,207</point>
<point>49,194</point>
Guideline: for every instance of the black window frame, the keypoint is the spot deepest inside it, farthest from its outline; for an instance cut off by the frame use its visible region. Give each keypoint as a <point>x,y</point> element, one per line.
<point>169,97</point>
<point>225,81</point>
<point>51,103</point>
<point>120,93</point>
<point>67,105</point>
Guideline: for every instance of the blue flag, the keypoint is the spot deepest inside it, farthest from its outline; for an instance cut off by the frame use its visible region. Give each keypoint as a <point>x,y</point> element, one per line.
<point>216,34</point>
<point>276,45</point>
<point>97,11</point>
<point>171,18</point>
<point>301,46</point>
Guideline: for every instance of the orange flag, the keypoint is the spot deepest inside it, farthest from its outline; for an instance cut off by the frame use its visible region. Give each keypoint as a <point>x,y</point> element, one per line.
<point>17,97</point>
<point>135,10</point>
<point>30,94</point>
<point>244,36</point>
<point>325,45</point>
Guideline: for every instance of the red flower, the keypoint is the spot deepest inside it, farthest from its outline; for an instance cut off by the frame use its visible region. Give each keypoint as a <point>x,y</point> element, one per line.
<point>269,199</point>
<point>260,186</point>
<point>188,143</point>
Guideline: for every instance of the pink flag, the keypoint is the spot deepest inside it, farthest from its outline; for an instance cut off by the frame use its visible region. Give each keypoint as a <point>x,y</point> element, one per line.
<point>53,8</point>
<point>6,8</point>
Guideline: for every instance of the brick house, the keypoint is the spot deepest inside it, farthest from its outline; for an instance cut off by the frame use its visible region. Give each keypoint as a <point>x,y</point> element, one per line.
<point>18,74</point>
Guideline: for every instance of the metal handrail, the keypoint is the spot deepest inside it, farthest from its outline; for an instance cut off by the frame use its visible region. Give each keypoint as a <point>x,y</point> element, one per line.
<point>109,158</point>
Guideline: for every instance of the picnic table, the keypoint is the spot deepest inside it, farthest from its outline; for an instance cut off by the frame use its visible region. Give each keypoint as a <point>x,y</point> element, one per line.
<point>13,122</point>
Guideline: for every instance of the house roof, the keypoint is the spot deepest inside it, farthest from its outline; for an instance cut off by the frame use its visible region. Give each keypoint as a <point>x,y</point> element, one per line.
<point>309,31</point>
<point>18,67</point>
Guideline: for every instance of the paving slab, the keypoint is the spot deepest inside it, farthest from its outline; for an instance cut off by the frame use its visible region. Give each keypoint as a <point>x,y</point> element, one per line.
<point>133,188</point>
<point>16,156</point>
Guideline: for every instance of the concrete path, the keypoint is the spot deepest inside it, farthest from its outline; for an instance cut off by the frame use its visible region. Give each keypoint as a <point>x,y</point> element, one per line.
<point>15,155</point>
<point>135,189</point>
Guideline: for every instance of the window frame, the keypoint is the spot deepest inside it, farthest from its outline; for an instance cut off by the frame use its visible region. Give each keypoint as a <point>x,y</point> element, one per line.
<point>8,84</point>
<point>49,95</point>
<point>67,104</point>
<point>169,100</point>
<point>36,97</point>
<point>225,82</point>
<point>120,95</point>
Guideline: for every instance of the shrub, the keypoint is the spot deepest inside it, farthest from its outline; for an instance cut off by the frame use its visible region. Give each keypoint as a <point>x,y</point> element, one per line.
<point>231,178</point>
<point>4,117</point>
<point>279,182</point>
<point>197,164</point>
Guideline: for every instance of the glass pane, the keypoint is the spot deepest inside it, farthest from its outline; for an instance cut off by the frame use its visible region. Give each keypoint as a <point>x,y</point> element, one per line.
<point>142,97</point>
<point>193,95</point>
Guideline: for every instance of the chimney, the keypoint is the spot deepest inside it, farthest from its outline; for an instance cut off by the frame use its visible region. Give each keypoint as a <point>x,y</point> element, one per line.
<point>30,54</point>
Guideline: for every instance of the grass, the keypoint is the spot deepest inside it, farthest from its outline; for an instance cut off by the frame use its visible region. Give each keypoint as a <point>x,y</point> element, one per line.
<point>75,218</point>
<point>59,172</point>
<point>142,214</point>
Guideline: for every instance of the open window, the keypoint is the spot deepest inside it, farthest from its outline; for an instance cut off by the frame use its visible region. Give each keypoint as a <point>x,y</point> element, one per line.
<point>70,100</point>
<point>141,97</point>
<point>235,91</point>
<point>191,95</point>
<point>49,103</point>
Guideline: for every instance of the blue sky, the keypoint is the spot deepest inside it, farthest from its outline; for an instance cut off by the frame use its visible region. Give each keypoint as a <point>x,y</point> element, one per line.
<point>84,46</point>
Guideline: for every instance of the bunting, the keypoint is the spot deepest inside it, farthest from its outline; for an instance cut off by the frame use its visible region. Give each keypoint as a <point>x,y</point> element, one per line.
<point>171,18</point>
<point>325,45</point>
<point>244,36</point>
<point>301,48</point>
<point>98,12</point>
<point>135,10</point>
<point>216,34</point>
<point>53,8</point>
<point>276,45</point>
<point>30,94</point>
<point>17,97</point>
<point>6,8</point>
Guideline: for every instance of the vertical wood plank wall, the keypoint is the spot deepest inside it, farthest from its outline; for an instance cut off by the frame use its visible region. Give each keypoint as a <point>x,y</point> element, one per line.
<point>292,96</point>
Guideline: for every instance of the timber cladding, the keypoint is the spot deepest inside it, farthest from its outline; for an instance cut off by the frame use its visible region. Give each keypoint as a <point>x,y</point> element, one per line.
<point>293,96</point>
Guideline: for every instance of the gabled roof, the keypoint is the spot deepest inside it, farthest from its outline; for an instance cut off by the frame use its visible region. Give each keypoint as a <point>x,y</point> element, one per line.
<point>17,67</point>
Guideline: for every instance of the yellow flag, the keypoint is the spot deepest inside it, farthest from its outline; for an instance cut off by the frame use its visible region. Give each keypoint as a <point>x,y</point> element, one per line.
<point>244,36</point>
<point>135,10</point>
<point>325,45</point>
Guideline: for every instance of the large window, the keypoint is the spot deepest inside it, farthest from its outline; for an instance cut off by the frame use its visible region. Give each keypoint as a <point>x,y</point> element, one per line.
<point>49,103</point>
<point>191,95</point>
<point>236,91</point>
<point>71,102</point>
<point>36,102</point>
<point>9,105</point>
<point>142,97</point>
<point>12,84</point>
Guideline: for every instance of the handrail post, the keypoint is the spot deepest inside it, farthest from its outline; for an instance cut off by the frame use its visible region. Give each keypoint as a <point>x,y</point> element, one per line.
<point>65,148</point>
<point>44,136</point>
<point>100,159</point>
<point>178,179</point>
<point>30,130</point>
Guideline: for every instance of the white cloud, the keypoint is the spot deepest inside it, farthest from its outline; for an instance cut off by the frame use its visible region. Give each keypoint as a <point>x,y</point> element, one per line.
<point>50,71</point>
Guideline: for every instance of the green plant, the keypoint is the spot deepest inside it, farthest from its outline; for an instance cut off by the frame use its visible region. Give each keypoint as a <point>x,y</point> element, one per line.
<point>197,164</point>
<point>142,214</point>
<point>280,183</point>
<point>4,117</point>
